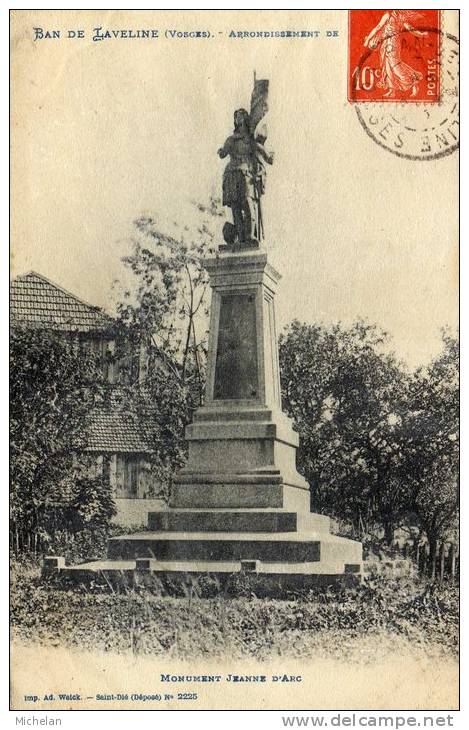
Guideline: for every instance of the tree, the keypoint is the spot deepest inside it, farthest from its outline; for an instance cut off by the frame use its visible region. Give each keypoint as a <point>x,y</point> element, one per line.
<point>168,303</point>
<point>161,407</point>
<point>347,396</point>
<point>433,448</point>
<point>165,311</point>
<point>53,386</point>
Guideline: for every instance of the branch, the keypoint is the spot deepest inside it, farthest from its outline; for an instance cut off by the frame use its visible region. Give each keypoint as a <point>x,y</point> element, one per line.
<point>201,299</point>
<point>189,327</point>
<point>166,358</point>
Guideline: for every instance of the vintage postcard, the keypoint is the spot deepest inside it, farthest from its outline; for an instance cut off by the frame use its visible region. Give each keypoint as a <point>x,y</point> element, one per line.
<point>234,345</point>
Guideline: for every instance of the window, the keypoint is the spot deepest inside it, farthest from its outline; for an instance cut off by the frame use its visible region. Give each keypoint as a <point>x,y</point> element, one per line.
<point>127,476</point>
<point>99,348</point>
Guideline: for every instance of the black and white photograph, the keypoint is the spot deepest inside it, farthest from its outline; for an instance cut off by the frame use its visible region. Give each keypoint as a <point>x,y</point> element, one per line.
<point>234,361</point>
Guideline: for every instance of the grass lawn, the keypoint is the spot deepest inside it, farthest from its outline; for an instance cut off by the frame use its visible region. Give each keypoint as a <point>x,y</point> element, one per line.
<point>390,643</point>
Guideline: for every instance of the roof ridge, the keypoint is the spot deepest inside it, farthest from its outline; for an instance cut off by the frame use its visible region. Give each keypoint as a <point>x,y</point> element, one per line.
<point>65,291</point>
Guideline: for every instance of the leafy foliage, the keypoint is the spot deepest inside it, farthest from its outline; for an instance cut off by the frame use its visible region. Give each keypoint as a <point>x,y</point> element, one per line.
<point>53,386</point>
<point>378,445</point>
<point>433,443</point>
<point>165,313</point>
<point>347,397</point>
<point>167,304</point>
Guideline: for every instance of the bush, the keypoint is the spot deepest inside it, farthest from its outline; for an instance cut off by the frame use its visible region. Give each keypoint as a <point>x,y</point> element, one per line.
<point>380,614</point>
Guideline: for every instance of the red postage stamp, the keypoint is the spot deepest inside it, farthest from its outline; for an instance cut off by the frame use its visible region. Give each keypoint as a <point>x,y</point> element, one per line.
<point>394,55</point>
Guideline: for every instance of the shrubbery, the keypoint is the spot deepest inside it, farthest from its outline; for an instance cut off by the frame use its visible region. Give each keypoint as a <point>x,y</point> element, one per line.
<point>400,612</point>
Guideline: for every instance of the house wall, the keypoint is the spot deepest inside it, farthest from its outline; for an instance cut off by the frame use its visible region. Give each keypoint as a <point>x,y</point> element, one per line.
<point>145,478</point>
<point>131,511</point>
<point>102,346</point>
<point>134,512</point>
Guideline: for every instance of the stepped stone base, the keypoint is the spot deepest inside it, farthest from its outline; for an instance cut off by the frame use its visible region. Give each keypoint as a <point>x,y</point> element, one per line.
<point>238,536</point>
<point>214,546</point>
<point>283,549</point>
<point>181,578</point>
<point>239,504</point>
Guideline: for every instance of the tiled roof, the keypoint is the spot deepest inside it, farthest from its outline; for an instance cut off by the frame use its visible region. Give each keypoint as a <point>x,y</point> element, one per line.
<point>115,431</point>
<point>36,301</point>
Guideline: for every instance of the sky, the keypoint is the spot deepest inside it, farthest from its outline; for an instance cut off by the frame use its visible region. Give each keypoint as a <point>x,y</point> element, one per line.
<point>103,132</point>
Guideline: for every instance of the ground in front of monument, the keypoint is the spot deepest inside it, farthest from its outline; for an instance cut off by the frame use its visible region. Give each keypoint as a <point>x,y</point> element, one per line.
<point>385,638</point>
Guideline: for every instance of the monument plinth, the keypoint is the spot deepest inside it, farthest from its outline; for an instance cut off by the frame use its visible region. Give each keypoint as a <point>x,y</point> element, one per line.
<point>241,446</point>
<point>239,501</point>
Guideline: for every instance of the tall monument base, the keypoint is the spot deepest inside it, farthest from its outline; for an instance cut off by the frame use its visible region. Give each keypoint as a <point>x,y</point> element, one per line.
<point>239,504</point>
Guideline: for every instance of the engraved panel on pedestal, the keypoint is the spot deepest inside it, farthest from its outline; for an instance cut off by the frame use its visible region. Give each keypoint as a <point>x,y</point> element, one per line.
<point>236,370</point>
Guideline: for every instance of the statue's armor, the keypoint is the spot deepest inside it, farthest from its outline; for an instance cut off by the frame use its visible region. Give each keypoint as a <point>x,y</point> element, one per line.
<point>238,183</point>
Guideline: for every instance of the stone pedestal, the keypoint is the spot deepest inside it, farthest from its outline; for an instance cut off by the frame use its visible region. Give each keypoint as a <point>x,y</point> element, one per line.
<point>239,501</point>
<point>242,448</point>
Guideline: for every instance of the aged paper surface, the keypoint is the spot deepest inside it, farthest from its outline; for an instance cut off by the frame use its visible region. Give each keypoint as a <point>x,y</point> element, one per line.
<point>108,125</point>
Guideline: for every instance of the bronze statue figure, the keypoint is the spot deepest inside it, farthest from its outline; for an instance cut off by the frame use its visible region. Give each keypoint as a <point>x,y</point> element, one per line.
<point>244,175</point>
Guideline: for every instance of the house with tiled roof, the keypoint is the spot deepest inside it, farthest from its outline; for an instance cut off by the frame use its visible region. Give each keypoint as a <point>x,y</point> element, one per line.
<point>38,302</point>
<point>117,444</point>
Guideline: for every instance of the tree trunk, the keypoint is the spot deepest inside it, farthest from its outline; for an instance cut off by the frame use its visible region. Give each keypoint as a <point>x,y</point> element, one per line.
<point>453,560</point>
<point>433,543</point>
<point>388,533</point>
<point>425,551</point>
<point>186,349</point>
<point>189,326</point>
<point>441,572</point>
<point>197,362</point>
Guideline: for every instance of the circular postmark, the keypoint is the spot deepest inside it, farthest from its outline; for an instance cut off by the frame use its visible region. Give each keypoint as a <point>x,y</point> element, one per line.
<point>416,130</point>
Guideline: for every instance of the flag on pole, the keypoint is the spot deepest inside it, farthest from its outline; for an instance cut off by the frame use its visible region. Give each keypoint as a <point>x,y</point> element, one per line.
<point>259,102</point>
<point>259,108</point>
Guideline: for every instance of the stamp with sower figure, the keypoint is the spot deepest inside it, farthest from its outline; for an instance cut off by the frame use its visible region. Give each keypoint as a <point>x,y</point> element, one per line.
<point>394,55</point>
<point>403,79</point>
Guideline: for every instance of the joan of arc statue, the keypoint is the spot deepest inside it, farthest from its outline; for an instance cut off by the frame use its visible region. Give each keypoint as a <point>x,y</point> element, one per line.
<point>244,175</point>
